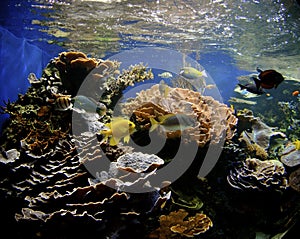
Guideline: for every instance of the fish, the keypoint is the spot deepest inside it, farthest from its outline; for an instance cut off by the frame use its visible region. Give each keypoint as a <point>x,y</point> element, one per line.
<point>117,129</point>
<point>267,79</point>
<point>192,73</point>
<point>84,104</point>
<point>195,77</point>
<point>295,93</point>
<point>242,101</point>
<point>166,75</point>
<point>63,103</point>
<point>210,86</point>
<point>173,122</point>
<point>163,88</point>
<point>80,104</point>
<point>252,88</point>
<point>297,144</point>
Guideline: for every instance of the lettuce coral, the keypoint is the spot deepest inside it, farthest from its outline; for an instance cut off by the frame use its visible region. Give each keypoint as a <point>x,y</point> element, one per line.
<point>214,119</point>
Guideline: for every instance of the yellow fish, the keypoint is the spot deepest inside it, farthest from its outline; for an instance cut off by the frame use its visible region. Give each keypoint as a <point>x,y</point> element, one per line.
<point>297,144</point>
<point>192,73</point>
<point>165,75</point>
<point>163,88</point>
<point>173,122</point>
<point>117,129</point>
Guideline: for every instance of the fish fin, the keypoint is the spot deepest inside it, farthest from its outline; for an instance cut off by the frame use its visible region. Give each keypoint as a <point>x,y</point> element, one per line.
<point>154,124</point>
<point>113,141</point>
<point>51,101</point>
<point>257,82</point>
<point>242,86</point>
<point>258,70</point>
<point>204,73</point>
<point>167,90</point>
<point>126,138</point>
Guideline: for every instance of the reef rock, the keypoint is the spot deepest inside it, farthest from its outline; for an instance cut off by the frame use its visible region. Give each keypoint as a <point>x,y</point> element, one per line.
<point>258,175</point>
<point>260,133</point>
<point>290,156</point>
<point>214,119</point>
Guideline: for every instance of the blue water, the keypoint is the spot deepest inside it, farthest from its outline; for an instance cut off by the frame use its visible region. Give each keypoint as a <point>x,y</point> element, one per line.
<point>21,51</point>
<point>24,48</point>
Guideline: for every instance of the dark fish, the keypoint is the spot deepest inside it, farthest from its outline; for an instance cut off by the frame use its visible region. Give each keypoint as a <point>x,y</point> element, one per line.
<point>268,79</point>
<point>252,89</point>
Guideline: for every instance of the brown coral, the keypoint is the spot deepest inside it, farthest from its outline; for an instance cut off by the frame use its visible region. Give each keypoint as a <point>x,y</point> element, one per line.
<point>73,68</point>
<point>213,118</point>
<point>73,60</point>
<point>174,225</point>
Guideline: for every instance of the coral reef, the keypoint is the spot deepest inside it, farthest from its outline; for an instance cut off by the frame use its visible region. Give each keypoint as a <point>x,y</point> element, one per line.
<point>73,68</point>
<point>261,133</point>
<point>213,118</point>
<point>255,174</point>
<point>54,176</point>
<point>174,225</point>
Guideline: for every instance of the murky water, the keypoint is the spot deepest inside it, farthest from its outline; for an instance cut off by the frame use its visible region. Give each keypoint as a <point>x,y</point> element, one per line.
<point>253,32</point>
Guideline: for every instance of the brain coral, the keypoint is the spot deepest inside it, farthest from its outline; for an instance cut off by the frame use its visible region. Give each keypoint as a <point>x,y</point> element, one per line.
<point>213,118</point>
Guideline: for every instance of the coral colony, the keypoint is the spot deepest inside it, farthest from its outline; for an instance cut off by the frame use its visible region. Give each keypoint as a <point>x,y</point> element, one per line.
<point>46,187</point>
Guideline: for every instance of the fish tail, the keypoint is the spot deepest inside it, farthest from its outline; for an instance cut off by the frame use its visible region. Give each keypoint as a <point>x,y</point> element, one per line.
<point>257,82</point>
<point>154,124</point>
<point>242,86</point>
<point>126,139</point>
<point>167,90</point>
<point>204,73</point>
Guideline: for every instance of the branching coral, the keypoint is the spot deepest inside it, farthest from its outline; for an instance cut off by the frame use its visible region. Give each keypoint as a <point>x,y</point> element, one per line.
<point>113,88</point>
